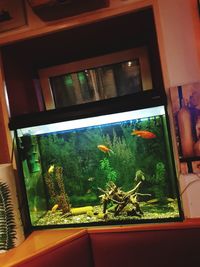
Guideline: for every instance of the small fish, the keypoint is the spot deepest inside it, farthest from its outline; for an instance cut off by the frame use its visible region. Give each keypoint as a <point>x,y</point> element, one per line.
<point>88,191</point>
<point>91,179</point>
<point>51,169</point>
<point>153,201</point>
<point>104,149</point>
<point>144,134</point>
<point>54,208</point>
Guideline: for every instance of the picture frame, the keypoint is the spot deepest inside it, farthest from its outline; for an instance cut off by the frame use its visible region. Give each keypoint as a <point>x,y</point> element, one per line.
<point>185,101</point>
<point>138,56</point>
<point>12,15</point>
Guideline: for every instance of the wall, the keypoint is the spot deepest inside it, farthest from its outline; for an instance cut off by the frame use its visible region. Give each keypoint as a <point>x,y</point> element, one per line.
<point>180,41</point>
<point>5,137</point>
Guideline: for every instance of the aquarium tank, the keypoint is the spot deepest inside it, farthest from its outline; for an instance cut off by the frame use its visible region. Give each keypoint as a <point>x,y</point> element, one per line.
<point>104,169</point>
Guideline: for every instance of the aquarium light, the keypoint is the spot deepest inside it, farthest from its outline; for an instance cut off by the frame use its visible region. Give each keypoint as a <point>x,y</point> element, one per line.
<point>93,121</point>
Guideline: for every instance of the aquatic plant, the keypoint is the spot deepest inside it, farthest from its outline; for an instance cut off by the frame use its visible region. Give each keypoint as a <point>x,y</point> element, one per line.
<point>56,189</point>
<point>139,176</point>
<point>160,180</point>
<point>7,222</point>
<point>111,175</point>
<point>65,153</point>
<point>157,182</point>
<point>149,151</point>
<point>124,153</point>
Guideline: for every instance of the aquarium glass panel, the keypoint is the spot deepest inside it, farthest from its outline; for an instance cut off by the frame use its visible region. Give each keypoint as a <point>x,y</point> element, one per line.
<point>110,169</point>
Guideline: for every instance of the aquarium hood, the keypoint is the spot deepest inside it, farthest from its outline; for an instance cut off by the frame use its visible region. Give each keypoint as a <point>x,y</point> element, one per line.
<point>103,107</point>
<point>93,121</point>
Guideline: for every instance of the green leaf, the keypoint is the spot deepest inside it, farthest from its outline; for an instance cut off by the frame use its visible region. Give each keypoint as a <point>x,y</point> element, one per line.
<point>7,222</point>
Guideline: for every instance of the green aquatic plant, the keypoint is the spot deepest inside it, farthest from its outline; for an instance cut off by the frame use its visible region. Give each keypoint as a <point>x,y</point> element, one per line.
<point>35,191</point>
<point>123,154</point>
<point>111,175</point>
<point>157,182</point>
<point>55,149</point>
<point>160,173</point>
<point>7,221</point>
<point>139,176</point>
<point>149,151</point>
<point>160,180</point>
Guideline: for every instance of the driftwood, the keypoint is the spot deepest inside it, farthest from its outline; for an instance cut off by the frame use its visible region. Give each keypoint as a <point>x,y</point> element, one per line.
<point>121,199</point>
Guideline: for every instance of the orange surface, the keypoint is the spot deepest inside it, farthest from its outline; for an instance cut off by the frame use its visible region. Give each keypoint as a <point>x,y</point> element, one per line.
<point>188,223</point>
<point>42,240</point>
<point>38,242</point>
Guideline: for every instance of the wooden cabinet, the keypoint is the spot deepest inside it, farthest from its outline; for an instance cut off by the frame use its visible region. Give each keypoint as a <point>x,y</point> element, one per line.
<point>49,10</point>
<point>22,60</point>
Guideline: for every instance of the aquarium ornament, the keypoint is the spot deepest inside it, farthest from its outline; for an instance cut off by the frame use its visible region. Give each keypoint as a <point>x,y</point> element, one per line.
<point>92,121</point>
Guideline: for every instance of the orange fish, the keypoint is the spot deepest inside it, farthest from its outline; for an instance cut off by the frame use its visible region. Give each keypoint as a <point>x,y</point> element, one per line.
<point>144,134</point>
<point>104,149</point>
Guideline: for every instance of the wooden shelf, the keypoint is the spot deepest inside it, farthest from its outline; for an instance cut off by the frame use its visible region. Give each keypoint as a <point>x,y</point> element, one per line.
<point>38,242</point>
<point>186,224</point>
<point>36,27</point>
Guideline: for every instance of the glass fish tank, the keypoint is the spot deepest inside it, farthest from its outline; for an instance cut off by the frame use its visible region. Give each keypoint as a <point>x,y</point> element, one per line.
<point>104,169</point>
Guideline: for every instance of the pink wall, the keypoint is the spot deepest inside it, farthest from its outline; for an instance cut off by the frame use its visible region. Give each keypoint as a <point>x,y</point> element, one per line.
<point>178,22</point>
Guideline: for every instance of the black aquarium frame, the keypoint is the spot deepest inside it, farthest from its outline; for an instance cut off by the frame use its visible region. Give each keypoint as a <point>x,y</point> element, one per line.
<point>102,107</point>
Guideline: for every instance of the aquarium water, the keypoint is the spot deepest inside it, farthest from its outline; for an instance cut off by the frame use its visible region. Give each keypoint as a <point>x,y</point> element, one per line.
<point>105,170</point>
